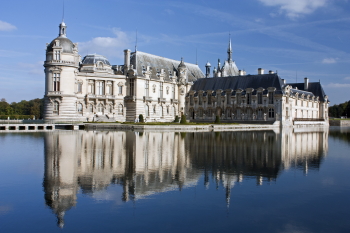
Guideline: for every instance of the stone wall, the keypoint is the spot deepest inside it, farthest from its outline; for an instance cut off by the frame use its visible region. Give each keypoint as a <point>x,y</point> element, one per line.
<point>339,122</point>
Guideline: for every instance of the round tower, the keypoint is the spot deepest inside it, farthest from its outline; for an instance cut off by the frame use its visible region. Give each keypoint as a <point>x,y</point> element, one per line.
<point>182,85</point>
<point>61,66</point>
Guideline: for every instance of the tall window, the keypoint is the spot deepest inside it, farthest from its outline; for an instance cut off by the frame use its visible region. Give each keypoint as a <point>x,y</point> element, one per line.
<point>191,99</point>
<point>109,89</point>
<point>147,88</point>
<point>147,110</point>
<point>80,87</point>
<point>228,97</point>
<point>271,113</point>
<point>56,82</point>
<point>249,98</point>
<point>132,87</point>
<point>167,110</point>
<point>260,114</point>
<point>100,108</point>
<point>100,88</point>
<point>259,98</point>
<point>110,108</point>
<point>55,107</point>
<point>161,90</point>
<point>200,96</point>
<point>80,108</point>
<point>271,97</point>
<point>57,55</point>
<point>173,91</point>
<point>201,112</point>
<point>91,108</point>
<point>120,109</point>
<point>120,90</point>
<point>209,98</point>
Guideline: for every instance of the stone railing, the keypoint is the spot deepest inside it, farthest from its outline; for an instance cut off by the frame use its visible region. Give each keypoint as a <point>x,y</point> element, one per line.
<point>61,62</point>
<point>54,92</point>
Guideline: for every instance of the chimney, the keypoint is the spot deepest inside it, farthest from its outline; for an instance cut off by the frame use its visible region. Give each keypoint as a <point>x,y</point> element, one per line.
<point>260,71</point>
<point>271,72</point>
<point>126,60</point>
<point>283,81</point>
<point>306,84</point>
<point>240,73</point>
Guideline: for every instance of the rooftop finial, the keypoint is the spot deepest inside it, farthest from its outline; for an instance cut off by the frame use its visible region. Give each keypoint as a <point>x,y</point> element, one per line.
<point>196,57</point>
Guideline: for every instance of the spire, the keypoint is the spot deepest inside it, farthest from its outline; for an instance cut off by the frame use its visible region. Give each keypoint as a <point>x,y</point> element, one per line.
<point>136,42</point>
<point>229,49</point>
<point>62,27</point>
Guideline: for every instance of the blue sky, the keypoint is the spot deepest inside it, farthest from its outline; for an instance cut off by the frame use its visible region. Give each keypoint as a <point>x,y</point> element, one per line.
<point>299,38</point>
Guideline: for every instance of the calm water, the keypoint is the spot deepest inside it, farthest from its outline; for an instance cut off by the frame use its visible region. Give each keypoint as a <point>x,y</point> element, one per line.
<point>258,181</point>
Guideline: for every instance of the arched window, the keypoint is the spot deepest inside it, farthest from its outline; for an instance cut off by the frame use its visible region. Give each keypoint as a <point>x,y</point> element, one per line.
<point>228,112</point>
<point>56,107</point>
<point>110,108</point>
<point>120,109</point>
<point>80,108</point>
<point>271,113</point>
<point>260,114</point>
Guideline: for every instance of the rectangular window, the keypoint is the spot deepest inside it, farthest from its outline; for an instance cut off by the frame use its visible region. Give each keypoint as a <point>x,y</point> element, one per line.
<point>147,88</point>
<point>200,96</point>
<point>120,90</point>
<point>209,98</point>
<point>228,96</point>
<point>173,91</point>
<point>56,82</point>
<point>161,90</point>
<point>100,88</point>
<point>132,87</point>
<point>80,87</point>
<point>260,98</point>
<point>271,97</point>
<point>191,99</point>
<point>248,98</point>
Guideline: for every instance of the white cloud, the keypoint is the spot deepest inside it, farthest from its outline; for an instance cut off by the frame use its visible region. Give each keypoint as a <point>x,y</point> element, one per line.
<point>107,46</point>
<point>4,26</point>
<point>296,8</point>
<point>338,85</point>
<point>347,78</point>
<point>329,60</point>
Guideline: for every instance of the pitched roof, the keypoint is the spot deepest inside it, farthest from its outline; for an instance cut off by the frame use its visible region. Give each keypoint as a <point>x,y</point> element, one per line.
<point>313,87</point>
<point>229,69</point>
<point>157,63</point>
<point>239,82</point>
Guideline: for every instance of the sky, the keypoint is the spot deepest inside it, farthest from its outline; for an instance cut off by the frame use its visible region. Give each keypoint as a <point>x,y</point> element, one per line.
<point>299,38</point>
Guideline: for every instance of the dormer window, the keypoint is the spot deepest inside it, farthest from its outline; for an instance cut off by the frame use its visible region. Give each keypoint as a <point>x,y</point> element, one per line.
<point>57,55</point>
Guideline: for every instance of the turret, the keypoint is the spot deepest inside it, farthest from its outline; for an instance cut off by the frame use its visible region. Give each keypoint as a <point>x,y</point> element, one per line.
<point>207,69</point>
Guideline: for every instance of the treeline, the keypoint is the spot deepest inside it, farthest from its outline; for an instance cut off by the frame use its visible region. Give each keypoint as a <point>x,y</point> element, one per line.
<point>22,110</point>
<point>339,110</point>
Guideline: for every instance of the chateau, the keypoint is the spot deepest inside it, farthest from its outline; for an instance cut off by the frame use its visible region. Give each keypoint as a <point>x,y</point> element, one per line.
<point>91,89</point>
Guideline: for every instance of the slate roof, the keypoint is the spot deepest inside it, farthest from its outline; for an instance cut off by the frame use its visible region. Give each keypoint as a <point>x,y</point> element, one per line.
<point>157,63</point>
<point>66,44</point>
<point>239,82</point>
<point>92,59</point>
<point>229,69</point>
<point>314,87</point>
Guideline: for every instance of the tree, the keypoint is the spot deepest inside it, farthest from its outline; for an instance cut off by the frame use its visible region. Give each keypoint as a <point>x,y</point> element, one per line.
<point>217,120</point>
<point>141,118</point>
<point>183,120</point>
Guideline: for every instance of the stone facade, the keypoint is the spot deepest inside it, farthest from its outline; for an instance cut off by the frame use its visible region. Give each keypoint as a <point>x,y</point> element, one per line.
<point>91,89</point>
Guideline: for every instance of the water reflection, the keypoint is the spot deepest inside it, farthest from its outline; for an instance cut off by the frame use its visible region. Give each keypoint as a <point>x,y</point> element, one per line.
<point>144,163</point>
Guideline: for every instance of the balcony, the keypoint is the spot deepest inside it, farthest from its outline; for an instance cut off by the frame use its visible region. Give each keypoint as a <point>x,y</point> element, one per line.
<point>147,99</point>
<point>54,93</point>
<point>161,100</point>
<point>93,96</point>
<point>60,62</point>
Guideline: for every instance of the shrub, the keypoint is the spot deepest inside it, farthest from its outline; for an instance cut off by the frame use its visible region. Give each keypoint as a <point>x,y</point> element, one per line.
<point>141,118</point>
<point>176,119</point>
<point>183,120</point>
<point>217,120</point>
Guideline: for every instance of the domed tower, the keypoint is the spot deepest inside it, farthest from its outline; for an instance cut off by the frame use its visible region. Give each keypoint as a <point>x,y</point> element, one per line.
<point>182,85</point>
<point>61,66</point>
<point>207,69</point>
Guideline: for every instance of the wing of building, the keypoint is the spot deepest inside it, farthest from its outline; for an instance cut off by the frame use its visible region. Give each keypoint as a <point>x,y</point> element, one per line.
<point>91,89</point>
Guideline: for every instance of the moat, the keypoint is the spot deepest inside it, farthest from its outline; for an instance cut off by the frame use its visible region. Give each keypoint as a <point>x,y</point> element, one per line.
<point>288,180</point>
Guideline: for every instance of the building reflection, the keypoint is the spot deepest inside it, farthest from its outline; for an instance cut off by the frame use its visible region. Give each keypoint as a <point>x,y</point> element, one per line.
<point>144,163</point>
